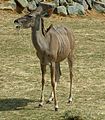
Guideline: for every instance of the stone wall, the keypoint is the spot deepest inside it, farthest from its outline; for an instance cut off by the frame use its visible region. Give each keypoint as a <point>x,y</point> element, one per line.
<point>62,7</point>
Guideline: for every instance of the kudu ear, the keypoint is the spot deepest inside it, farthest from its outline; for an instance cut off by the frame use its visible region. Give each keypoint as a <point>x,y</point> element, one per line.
<point>43,10</point>
<point>47,13</point>
<point>37,11</point>
<point>47,9</point>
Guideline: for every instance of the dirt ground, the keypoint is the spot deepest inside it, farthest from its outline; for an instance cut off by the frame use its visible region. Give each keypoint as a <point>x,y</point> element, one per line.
<point>20,77</point>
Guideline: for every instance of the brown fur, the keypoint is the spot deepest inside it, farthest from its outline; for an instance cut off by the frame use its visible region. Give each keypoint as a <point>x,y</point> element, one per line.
<point>52,46</point>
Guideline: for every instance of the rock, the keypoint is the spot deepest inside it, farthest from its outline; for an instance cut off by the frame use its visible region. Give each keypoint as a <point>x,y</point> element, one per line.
<point>10,5</point>
<point>57,3</point>
<point>99,6</point>
<point>38,1</point>
<point>70,2</point>
<point>103,1</point>
<point>78,1</point>
<point>62,2</point>
<point>89,3</point>
<point>23,3</point>
<point>76,9</point>
<point>32,5</point>
<point>62,10</point>
<point>85,5</point>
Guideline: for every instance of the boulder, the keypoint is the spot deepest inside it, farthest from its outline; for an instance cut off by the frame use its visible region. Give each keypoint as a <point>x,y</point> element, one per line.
<point>37,1</point>
<point>32,5</point>
<point>78,1</point>
<point>99,6</point>
<point>62,10</point>
<point>89,3</point>
<point>70,2</point>
<point>103,1</point>
<point>23,3</point>
<point>85,5</point>
<point>10,5</point>
<point>76,9</point>
<point>56,3</point>
<point>62,2</point>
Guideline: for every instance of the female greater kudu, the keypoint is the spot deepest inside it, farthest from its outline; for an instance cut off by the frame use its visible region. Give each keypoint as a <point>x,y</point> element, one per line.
<point>52,48</point>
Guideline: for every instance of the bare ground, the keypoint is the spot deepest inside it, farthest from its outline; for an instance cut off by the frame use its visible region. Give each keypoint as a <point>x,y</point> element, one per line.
<point>20,75</point>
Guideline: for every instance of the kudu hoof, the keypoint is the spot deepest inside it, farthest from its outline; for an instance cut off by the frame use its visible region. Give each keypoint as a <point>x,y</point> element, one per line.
<point>48,102</point>
<point>40,104</point>
<point>70,100</point>
<point>56,109</point>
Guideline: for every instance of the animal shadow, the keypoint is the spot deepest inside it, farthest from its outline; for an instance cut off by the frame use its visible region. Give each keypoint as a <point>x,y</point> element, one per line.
<point>74,118</point>
<point>13,104</point>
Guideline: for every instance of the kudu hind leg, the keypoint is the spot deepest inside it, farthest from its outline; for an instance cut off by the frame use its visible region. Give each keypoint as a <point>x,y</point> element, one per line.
<point>43,70</point>
<point>53,83</point>
<point>70,63</point>
<point>57,77</point>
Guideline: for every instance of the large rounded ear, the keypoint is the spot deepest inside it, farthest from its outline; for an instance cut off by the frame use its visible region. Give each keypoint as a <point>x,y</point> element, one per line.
<point>37,11</point>
<point>47,9</point>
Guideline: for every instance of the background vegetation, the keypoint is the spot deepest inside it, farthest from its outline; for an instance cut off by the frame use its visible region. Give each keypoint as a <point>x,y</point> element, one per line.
<point>20,76</point>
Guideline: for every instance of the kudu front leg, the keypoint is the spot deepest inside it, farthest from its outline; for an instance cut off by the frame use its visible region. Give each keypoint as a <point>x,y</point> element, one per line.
<point>53,83</point>
<point>57,77</point>
<point>43,70</point>
<point>70,62</point>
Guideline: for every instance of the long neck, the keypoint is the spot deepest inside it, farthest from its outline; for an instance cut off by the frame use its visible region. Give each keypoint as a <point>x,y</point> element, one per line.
<point>38,38</point>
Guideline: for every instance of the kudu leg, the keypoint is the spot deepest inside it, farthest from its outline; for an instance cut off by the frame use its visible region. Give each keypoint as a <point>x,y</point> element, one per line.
<point>57,77</point>
<point>53,83</point>
<point>70,62</point>
<point>43,70</point>
<point>58,71</point>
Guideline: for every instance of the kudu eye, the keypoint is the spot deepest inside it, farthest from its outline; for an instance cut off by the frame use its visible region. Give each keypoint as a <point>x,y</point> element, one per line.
<point>30,16</point>
<point>16,21</point>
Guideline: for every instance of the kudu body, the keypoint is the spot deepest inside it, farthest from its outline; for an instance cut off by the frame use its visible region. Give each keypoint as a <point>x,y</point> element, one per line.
<point>52,48</point>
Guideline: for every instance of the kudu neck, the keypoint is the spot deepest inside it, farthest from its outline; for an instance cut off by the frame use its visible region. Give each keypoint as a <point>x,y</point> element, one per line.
<point>37,35</point>
<point>37,24</point>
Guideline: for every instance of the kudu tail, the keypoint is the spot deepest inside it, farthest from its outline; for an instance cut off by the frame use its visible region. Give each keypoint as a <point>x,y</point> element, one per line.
<point>58,72</point>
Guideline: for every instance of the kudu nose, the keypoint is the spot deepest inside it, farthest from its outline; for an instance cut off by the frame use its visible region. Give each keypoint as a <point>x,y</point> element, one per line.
<point>16,21</point>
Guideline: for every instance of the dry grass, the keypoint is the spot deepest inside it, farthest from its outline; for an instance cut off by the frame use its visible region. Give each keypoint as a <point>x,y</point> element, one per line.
<point>20,75</point>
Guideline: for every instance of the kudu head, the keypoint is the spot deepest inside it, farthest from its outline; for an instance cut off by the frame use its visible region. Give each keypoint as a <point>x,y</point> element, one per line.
<point>28,20</point>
